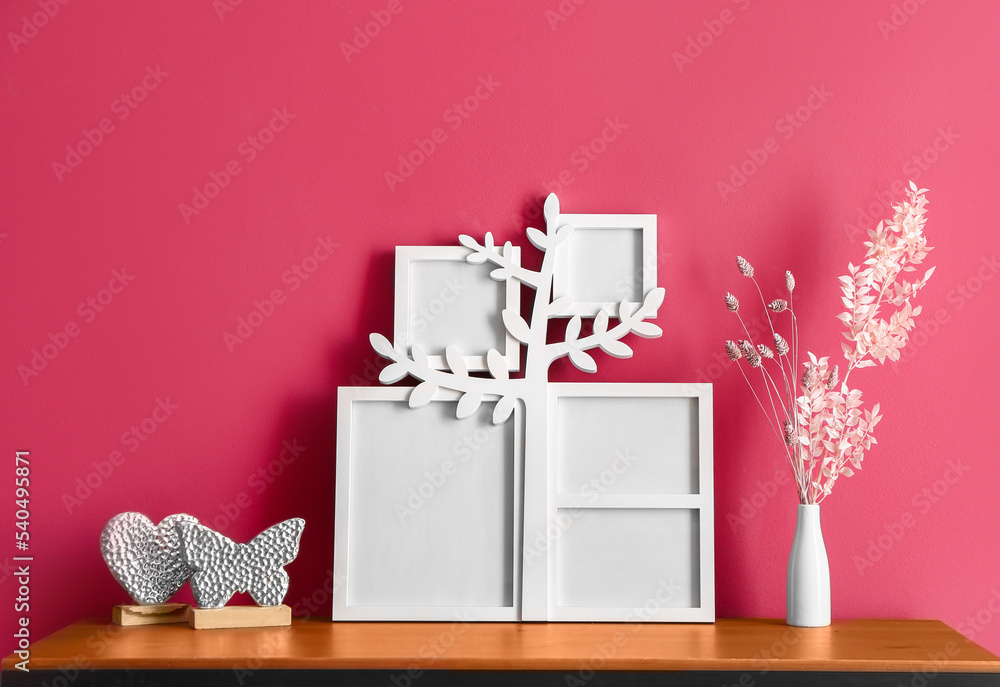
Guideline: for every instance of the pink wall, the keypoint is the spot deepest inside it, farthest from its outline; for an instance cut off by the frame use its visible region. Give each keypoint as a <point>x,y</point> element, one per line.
<point>915,99</point>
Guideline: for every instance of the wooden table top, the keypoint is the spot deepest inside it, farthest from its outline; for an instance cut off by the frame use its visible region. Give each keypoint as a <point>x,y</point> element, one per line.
<point>729,644</point>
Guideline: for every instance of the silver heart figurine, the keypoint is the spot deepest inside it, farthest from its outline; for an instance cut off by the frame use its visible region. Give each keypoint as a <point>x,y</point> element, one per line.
<point>146,559</point>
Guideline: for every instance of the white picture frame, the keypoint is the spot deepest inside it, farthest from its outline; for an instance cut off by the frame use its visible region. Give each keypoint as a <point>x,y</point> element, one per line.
<point>639,547</point>
<point>608,259</point>
<point>650,446</point>
<point>434,560</point>
<point>655,526</point>
<point>442,300</point>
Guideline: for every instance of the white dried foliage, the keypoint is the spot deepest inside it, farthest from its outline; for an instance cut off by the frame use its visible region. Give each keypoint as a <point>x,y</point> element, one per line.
<point>820,421</point>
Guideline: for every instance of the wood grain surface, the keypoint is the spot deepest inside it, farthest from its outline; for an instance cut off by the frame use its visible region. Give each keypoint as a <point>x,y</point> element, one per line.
<point>729,644</point>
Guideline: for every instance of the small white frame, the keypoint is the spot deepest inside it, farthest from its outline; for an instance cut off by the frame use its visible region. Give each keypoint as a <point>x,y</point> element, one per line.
<point>365,489</point>
<point>453,324</point>
<point>615,268</point>
<point>673,422</point>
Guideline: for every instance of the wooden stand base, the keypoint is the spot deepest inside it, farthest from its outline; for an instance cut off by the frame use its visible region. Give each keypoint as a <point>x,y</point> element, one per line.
<point>240,616</point>
<point>157,614</point>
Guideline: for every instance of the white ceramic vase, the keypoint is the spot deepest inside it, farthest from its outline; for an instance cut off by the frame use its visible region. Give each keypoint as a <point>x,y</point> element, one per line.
<point>808,585</point>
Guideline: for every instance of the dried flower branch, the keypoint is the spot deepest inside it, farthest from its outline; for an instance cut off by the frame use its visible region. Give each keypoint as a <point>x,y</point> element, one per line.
<point>825,430</point>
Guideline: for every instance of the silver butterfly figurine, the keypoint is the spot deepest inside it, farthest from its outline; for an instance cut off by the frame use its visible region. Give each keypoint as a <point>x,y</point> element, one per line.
<point>222,567</point>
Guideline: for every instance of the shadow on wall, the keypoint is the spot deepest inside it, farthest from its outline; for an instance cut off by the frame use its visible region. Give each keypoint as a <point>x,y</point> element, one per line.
<point>303,473</point>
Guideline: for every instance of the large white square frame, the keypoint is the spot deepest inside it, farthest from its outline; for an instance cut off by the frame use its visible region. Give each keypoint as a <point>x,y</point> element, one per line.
<point>348,398</point>
<point>402,318</point>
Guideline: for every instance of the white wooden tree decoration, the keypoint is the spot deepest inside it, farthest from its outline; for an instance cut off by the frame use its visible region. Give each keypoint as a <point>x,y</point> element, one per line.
<point>532,388</point>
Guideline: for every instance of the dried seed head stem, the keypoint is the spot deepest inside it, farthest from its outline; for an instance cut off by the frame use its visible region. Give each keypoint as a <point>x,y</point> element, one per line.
<point>732,302</point>
<point>780,345</point>
<point>789,433</point>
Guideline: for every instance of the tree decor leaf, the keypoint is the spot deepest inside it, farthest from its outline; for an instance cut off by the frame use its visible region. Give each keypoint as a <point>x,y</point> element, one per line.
<point>517,327</point>
<point>497,365</point>
<point>456,363</point>
<point>564,233</point>
<point>616,349</point>
<point>551,210</point>
<point>646,330</point>
<point>624,310</point>
<point>468,405</point>
<point>392,373</point>
<point>654,299</point>
<point>381,345</point>
<point>419,356</point>
<point>538,239</point>
<point>573,329</point>
<point>601,321</point>
<point>582,360</point>
<point>560,305</point>
<point>503,409</point>
<point>422,394</point>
